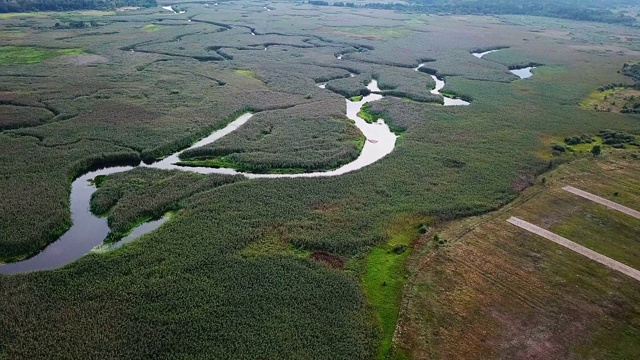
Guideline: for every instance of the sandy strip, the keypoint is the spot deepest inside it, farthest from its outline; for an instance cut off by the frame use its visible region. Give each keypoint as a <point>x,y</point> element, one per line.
<point>603,201</point>
<point>615,265</point>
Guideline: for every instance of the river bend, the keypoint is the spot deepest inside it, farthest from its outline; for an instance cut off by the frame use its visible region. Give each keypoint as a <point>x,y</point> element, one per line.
<point>88,231</point>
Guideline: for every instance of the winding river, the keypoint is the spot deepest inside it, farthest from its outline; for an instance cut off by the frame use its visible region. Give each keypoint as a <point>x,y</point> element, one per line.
<point>439,86</point>
<point>522,73</point>
<point>481,54</point>
<point>88,231</point>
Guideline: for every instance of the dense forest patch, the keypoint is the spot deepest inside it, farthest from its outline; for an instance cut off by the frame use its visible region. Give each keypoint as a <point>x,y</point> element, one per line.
<point>19,6</point>
<point>591,10</point>
<point>632,71</point>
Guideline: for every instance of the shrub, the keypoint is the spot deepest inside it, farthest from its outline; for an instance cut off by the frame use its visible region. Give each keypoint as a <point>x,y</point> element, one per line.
<point>399,249</point>
<point>559,148</point>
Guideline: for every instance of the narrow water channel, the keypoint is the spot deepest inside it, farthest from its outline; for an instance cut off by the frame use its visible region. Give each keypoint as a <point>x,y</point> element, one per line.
<point>439,86</point>
<point>522,73</point>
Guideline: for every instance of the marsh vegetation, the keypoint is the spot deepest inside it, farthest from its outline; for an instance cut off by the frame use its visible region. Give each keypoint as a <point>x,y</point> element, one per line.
<point>280,267</point>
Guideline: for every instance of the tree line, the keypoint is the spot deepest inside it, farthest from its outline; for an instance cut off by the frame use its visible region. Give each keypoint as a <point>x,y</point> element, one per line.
<point>586,10</point>
<point>7,6</point>
<point>632,71</point>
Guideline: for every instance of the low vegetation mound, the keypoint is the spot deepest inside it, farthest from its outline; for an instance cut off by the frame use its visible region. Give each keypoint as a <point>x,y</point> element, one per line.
<point>351,86</point>
<point>12,116</point>
<point>614,98</point>
<point>304,138</point>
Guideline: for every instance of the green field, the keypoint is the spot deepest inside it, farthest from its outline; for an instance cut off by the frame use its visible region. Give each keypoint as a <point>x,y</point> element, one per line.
<point>310,268</point>
<point>19,55</point>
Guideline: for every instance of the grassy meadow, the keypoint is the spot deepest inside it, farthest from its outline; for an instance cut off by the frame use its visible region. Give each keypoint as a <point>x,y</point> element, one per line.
<point>307,268</point>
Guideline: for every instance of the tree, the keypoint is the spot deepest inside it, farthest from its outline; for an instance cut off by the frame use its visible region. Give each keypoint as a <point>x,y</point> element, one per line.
<point>596,150</point>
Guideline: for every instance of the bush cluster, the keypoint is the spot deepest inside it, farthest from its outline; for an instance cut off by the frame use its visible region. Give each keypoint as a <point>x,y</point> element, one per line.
<point>581,139</point>
<point>618,138</point>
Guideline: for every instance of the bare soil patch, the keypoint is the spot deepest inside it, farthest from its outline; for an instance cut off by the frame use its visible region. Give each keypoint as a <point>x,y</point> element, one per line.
<point>329,259</point>
<point>84,59</point>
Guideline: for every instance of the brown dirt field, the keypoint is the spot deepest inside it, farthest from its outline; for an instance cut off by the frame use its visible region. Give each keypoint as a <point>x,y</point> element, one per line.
<point>498,292</point>
<point>329,259</point>
<point>84,59</point>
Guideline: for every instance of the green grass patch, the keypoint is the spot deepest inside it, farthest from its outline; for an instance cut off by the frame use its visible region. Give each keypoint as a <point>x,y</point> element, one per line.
<point>212,162</point>
<point>151,28</point>
<point>595,99</point>
<point>223,162</point>
<point>359,142</point>
<point>367,115</point>
<point>29,55</point>
<point>356,98</point>
<point>370,116</point>
<point>246,72</point>
<point>22,55</point>
<point>616,99</point>
<point>622,345</point>
<point>21,15</point>
<point>384,279</point>
<point>619,230</point>
<point>587,147</point>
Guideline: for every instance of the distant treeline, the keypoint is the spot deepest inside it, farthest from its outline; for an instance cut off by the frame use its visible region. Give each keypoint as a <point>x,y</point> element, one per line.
<point>7,6</point>
<point>632,71</point>
<point>587,10</point>
<point>326,3</point>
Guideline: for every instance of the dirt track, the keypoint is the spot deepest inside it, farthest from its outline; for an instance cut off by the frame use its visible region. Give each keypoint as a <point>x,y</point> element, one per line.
<point>615,265</point>
<point>603,201</point>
